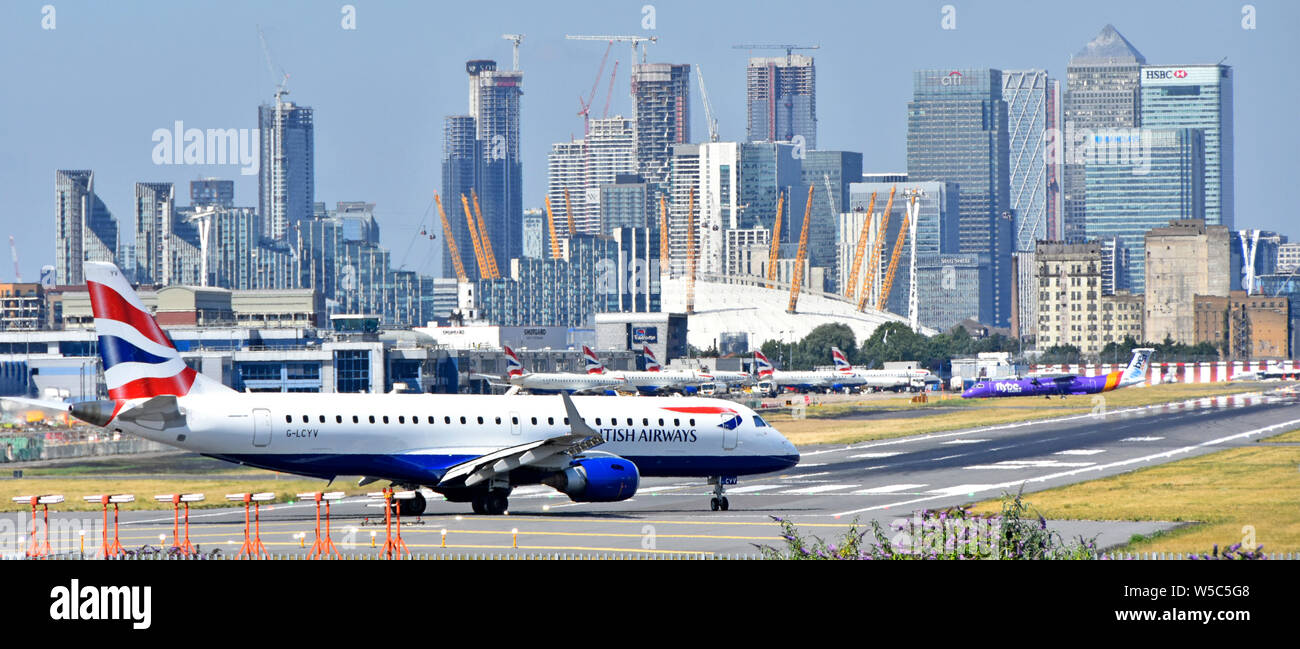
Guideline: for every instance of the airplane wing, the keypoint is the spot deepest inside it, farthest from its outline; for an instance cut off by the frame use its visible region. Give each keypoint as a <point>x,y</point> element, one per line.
<point>580,438</point>
<point>39,403</point>
<point>1051,376</point>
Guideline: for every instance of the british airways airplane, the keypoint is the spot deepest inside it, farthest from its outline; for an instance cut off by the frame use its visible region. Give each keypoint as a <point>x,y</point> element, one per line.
<point>772,380</point>
<point>1066,384</point>
<point>469,448</point>
<point>555,382</point>
<point>654,379</point>
<point>882,379</point>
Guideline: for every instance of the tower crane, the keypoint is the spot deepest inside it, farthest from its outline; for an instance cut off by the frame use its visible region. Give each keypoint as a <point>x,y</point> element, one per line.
<point>516,39</point>
<point>632,39</point>
<point>451,242</point>
<point>775,248</point>
<point>709,117</point>
<point>13,250</point>
<point>856,269</point>
<point>550,225</point>
<point>796,274</point>
<point>488,255</point>
<point>789,48</point>
<point>585,106</point>
<point>610,95</point>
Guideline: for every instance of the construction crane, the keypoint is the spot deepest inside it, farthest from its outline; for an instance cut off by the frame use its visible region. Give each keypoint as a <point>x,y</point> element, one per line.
<point>584,110</point>
<point>796,274</point>
<point>473,235</point>
<point>451,242</point>
<point>550,225</point>
<point>568,209</point>
<point>775,248</point>
<point>632,39</point>
<point>491,258</point>
<point>856,269</point>
<point>282,88</point>
<point>789,48</point>
<point>709,117</point>
<point>13,250</point>
<point>888,284</point>
<point>516,39</point>
<point>610,95</point>
<point>664,257</point>
<point>874,260</point>
<point>690,253</point>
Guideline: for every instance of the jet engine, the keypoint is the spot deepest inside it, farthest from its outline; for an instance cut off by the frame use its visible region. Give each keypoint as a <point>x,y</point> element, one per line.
<point>606,478</point>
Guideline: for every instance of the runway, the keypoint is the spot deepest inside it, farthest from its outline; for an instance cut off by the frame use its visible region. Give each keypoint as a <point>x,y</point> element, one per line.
<point>833,485</point>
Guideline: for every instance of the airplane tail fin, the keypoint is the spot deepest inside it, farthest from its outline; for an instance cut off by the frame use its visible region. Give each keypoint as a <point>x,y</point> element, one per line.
<point>594,366</point>
<point>763,366</point>
<point>841,361</point>
<point>140,360</point>
<point>651,363</point>
<point>1137,367</point>
<point>513,366</point>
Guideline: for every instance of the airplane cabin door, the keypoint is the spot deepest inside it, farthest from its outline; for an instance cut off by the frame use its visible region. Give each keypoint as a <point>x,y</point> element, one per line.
<point>730,435</point>
<point>261,427</point>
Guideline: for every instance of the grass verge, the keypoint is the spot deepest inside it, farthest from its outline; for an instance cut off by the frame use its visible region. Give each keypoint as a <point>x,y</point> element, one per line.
<point>1228,493</point>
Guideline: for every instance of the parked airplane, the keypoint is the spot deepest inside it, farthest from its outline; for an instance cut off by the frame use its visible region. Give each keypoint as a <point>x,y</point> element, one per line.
<point>879,379</point>
<point>470,448</point>
<point>1063,384</point>
<point>654,379</point>
<point>772,380</point>
<point>554,382</point>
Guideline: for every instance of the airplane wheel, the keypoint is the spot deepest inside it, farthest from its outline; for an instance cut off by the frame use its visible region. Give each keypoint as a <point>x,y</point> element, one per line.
<point>414,506</point>
<point>714,504</point>
<point>723,503</point>
<point>478,505</point>
<point>496,503</point>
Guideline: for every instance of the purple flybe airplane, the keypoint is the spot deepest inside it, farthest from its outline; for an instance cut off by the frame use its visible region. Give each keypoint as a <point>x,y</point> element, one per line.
<point>1063,384</point>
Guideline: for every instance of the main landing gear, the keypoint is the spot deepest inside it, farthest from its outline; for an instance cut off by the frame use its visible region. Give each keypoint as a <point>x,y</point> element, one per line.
<point>719,500</point>
<point>492,502</point>
<point>412,507</point>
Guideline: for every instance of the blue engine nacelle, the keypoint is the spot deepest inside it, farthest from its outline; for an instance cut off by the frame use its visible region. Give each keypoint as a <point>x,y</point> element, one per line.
<point>597,479</point>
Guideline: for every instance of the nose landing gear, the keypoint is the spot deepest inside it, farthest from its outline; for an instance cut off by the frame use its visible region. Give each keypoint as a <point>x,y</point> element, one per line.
<point>719,500</point>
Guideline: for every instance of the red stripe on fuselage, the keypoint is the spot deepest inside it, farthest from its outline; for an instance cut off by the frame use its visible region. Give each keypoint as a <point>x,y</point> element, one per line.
<point>178,385</point>
<point>701,410</point>
<point>106,303</point>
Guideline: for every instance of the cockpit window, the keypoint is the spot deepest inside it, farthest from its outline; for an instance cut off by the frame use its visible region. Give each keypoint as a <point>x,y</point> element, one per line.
<point>758,422</point>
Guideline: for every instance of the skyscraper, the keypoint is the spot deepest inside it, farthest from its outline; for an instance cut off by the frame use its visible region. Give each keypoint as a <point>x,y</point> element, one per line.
<point>957,132</point>
<point>212,191</point>
<point>662,93</point>
<point>1032,103</point>
<point>155,211</point>
<point>831,173</point>
<point>500,170</point>
<point>1101,94</point>
<point>1161,177</point>
<point>781,94</point>
<point>460,156</point>
<point>738,188</point>
<point>1197,96</point>
<point>584,166</point>
<point>84,229</point>
<point>286,173</point>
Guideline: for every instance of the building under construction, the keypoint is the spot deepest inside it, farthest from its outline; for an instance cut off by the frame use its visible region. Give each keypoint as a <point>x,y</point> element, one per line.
<point>781,95</point>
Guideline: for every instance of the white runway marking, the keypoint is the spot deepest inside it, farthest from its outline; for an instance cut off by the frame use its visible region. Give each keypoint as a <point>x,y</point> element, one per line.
<point>959,490</point>
<point>647,490</point>
<point>1286,425</point>
<point>1029,464</point>
<point>819,489</point>
<point>1081,451</point>
<point>965,441</point>
<point>753,488</point>
<point>803,475</point>
<point>875,455</point>
<point>1141,439</point>
<point>889,489</point>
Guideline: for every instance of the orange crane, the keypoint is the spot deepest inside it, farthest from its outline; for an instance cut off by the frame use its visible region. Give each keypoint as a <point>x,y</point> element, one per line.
<point>893,261</point>
<point>874,259</point>
<point>776,241</point>
<point>690,253</point>
<point>856,268</point>
<point>796,274</point>
<point>550,225</point>
<point>491,258</point>
<point>664,258</point>
<point>473,235</point>
<point>451,242</point>
<point>568,209</point>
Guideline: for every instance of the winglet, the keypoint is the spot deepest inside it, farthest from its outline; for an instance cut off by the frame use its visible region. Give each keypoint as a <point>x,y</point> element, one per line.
<point>576,425</point>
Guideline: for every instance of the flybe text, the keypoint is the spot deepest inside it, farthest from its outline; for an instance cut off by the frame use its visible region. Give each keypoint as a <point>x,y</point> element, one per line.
<point>650,435</point>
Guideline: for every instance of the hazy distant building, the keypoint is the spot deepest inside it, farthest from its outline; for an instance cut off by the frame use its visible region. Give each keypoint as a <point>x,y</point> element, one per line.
<point>212,191</point>
<point>460,160</point>
<point>499,179</point>
<point>1245,327</point>
<point>683,205</point>
<point>1033,105</point>
<point>1185,259</point>
<point>781,96</point>
<point>536,238</point>
<point>578,169</point>
<point>84,229</point>
<point>286,173</point>
<point>951,289</point>
<point>662,93</point>
<point>1102,93</point>
<point>739,186</point>
<point>1254,253</point>
<point>626,203</point>
<point>1069,295</point>
<point>832,174</point>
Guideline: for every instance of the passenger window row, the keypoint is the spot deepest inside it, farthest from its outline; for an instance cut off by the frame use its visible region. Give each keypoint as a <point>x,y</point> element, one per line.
<point>415,419</point>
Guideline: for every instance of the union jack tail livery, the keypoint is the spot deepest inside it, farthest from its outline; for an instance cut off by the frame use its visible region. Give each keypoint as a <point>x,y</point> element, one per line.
<point>651,364</point>
<point>140,361</point>
<point>594,366</point>
<point>765,368</point>
<point>513,366</point>
<point>841,361</point>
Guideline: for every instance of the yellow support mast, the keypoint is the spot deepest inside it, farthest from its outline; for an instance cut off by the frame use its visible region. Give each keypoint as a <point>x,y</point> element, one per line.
<point>664,257</point>
<point>874,259</point>
<point>796,274</point>
<point>690,253</point>
<point>568,209</point>
<point>893,260</point>
<point>550,225</point>
<point>473,235</point>
<point>776,242</point>
<point>491,258</point>
<point>856,269</point>
<point>451,242</point>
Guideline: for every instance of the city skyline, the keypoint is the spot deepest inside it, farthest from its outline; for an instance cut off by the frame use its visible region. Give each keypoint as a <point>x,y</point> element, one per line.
<point>391,158</point>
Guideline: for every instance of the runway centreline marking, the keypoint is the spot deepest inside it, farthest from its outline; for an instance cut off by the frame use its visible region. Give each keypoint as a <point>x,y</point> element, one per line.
<point>337,534</point>
<point>951,491</point>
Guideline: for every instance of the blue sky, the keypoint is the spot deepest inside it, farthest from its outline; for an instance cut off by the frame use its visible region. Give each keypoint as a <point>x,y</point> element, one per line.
<point>90,93</point>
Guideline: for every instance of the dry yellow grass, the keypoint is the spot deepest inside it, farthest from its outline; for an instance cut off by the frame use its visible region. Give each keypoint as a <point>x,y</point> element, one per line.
<point>827,425</point>
<point>1225,492</point>
<point>145,489</point>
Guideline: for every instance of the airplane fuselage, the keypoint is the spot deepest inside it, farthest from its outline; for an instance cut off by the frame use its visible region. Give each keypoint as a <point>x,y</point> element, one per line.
<point>1037,387</point>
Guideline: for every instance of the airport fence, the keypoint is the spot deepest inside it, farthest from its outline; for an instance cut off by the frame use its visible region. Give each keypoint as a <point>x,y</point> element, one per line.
<point>573,556</point>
